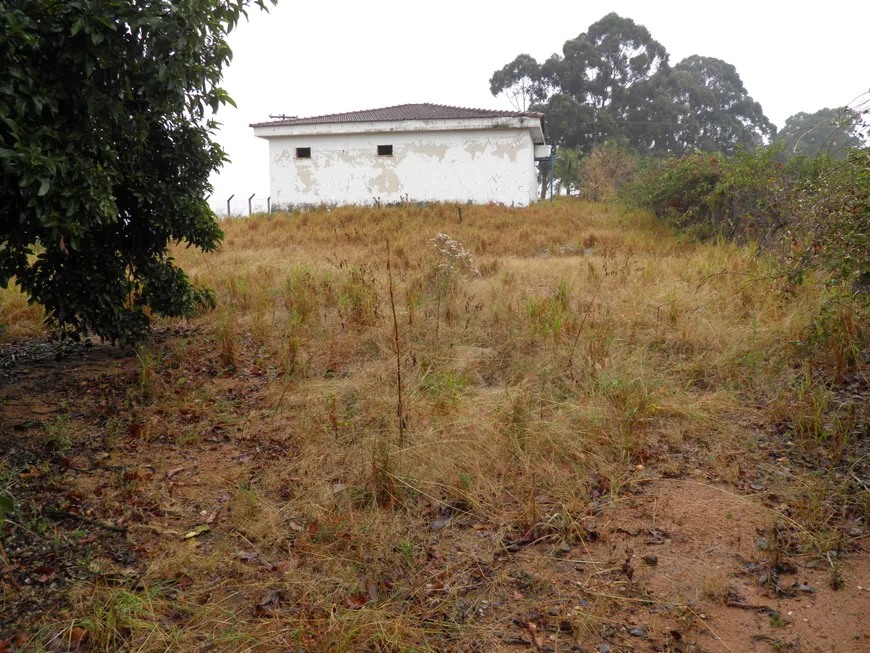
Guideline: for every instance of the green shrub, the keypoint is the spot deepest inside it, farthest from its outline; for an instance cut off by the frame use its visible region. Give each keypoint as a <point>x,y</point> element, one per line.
<point>742,196</point>
<point>811,211</point>
<point>837,219</point>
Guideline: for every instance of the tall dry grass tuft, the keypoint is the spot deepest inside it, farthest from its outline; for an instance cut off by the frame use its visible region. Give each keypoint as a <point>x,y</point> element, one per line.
<point>227,339</point>
<point>18,318</point>
<point>604,171</point>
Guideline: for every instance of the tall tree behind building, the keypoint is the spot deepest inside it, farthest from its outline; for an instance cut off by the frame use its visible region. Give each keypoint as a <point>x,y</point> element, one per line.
<point>614,82</point>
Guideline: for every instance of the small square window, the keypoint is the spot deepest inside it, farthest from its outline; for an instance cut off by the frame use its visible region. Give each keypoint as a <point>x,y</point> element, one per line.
<point>385,150</point>
<point>303,152</point>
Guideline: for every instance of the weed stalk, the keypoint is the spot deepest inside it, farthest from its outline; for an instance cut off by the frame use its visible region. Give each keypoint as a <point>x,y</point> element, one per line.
<point>400,408</point>
<point>583,323</point>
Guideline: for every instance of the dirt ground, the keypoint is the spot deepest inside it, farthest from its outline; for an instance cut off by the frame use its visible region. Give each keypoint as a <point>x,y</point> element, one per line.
<point>680,561</point>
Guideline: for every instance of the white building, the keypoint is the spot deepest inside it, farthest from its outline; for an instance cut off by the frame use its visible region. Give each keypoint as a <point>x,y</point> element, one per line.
<point>410,152</point>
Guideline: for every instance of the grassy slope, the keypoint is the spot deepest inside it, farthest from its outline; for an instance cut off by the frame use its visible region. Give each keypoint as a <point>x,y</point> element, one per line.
<point>551,405</point>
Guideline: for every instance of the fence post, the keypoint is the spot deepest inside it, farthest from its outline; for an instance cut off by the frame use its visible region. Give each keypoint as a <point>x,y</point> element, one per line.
<point>269,205</point>
<point>230,199</point>
<point>250,210</point>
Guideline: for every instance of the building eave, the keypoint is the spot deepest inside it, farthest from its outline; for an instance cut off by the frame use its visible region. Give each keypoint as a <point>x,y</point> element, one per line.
<point>534,122</point>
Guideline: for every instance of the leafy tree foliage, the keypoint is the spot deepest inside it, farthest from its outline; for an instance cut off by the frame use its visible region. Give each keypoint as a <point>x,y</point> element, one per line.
<point>827,131</point>
<point>614,82</point>
<point>566,169</point>
<point>716,114</point>
<point>520,80</point>
<point>106,147</point>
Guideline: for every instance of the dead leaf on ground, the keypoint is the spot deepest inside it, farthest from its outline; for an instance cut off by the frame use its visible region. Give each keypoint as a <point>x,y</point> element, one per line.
<point>283,565</point>
<point>271,600</point>
<point>14,644</point>
<point>77,637</point>
<point>179,579</point>
<point>356,601</point>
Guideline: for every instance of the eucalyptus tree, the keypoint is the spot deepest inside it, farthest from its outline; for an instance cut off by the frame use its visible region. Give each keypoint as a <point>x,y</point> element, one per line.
<point>614,82</point>
<point>828,132</point>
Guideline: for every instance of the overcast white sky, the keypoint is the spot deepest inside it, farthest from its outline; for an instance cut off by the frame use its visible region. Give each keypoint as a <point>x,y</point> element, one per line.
<point>310,58</point>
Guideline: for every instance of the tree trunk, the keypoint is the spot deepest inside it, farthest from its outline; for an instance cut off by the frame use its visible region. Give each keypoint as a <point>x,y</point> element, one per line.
<point>544,171</point>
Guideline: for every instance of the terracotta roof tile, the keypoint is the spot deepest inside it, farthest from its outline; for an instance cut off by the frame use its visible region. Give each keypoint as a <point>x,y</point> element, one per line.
<point>400,112</point>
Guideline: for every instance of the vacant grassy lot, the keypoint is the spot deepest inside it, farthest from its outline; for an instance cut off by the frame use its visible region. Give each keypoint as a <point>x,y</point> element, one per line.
<point>585,435</point>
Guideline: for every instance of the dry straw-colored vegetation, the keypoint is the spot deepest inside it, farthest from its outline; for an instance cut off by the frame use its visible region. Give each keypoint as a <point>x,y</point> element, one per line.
<point>589,359</point>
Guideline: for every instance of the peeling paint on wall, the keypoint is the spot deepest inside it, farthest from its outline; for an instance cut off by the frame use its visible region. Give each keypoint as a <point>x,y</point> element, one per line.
<point>284,158</point>
<point>348,156</point>
<point>305,177</point>
<point>475,147</point>
<point>387,182</point>
<point>465,165</point>
<point>426,149</point>
<point>508,150</point>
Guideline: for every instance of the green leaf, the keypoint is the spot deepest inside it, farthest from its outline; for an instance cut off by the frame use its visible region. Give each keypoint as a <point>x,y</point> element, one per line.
<point>104,170</point>
<point>6,505</point>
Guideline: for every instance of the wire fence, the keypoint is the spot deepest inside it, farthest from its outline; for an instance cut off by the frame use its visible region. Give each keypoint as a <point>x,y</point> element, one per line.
<point>240,206</point>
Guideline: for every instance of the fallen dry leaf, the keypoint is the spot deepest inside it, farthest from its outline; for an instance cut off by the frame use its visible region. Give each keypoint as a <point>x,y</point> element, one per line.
<point>356,601</point>
<point>271,600</point>
<point>14,644</point>
<point>283,566</point>
<point>77,637</point>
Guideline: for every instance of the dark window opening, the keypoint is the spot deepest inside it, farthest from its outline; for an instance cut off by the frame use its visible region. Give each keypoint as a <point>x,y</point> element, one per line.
<point>303,152</point>
<point>385,150</point>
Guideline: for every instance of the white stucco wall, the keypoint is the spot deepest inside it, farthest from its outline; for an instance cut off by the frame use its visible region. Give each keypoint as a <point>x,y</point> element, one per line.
<point>477,165</point>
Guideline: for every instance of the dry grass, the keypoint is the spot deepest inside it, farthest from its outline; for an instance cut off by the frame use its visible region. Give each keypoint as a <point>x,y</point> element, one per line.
<point>593,352</point>
<point>18,318</point>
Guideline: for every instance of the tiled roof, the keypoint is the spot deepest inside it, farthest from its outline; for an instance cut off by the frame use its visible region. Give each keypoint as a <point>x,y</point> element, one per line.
<point>400,112</point>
